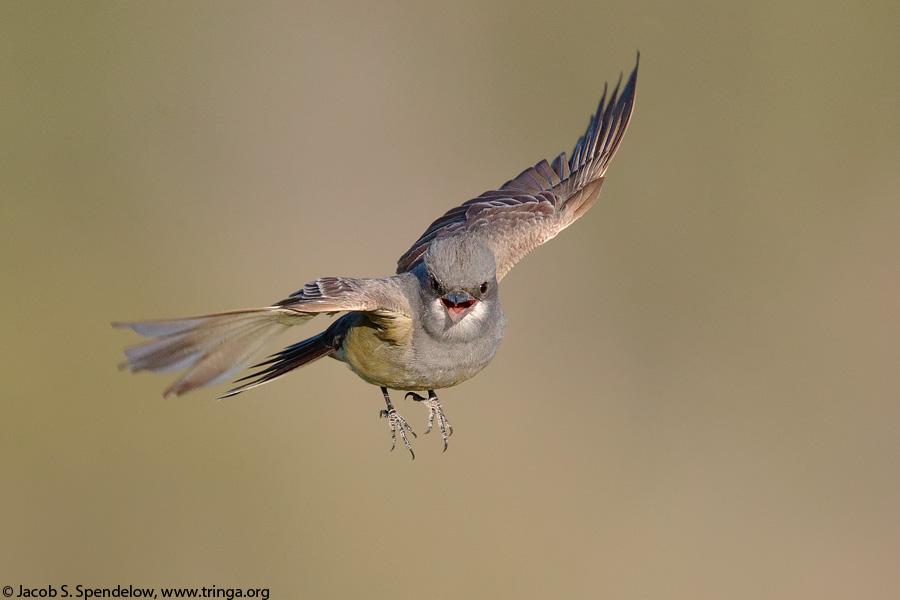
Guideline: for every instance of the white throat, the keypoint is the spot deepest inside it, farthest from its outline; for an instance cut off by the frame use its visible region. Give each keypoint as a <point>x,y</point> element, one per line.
<point>469,327</point>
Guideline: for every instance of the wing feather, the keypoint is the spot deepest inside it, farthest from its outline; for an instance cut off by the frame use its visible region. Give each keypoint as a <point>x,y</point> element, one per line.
<point>544,199</point>
<point>379,297</point>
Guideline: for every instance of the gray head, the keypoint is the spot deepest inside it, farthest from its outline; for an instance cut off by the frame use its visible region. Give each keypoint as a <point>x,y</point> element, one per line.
<point>458,283</point>
<point>460,261</point>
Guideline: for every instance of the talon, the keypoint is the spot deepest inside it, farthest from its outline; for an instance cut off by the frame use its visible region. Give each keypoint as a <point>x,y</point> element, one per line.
<point>397,423</point>
<point>435,409</point>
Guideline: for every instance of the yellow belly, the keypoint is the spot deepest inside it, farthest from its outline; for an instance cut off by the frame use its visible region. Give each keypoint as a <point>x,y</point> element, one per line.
<point>379,351</point>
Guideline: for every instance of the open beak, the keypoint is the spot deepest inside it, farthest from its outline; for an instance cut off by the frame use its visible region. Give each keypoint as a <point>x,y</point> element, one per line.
<point>458,303</point>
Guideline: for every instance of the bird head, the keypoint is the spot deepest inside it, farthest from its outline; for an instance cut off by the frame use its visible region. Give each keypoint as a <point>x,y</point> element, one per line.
<point>458,282</point>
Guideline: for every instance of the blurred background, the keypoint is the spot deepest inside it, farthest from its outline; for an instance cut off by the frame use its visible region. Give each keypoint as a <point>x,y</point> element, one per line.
<point>697,396</point>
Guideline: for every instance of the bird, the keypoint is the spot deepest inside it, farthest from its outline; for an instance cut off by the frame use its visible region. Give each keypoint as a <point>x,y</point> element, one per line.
<point>434,324</point>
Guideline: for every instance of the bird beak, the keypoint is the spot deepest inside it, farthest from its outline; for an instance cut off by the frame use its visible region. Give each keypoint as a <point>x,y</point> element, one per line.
<point>458,303</point>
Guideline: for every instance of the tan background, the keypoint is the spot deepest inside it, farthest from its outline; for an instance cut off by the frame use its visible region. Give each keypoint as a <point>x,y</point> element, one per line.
<point>698,393</point>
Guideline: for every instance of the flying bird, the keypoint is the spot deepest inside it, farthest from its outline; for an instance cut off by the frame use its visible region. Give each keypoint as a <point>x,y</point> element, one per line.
<point>434,324</point>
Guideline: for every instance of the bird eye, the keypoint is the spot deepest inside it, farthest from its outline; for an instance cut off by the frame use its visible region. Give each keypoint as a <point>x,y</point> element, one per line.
<point>434,284</point>
<point>484,287</point>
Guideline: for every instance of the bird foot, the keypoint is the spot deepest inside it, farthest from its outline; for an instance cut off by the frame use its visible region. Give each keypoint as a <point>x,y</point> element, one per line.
<point>398,424</point>
<point>435,409</point>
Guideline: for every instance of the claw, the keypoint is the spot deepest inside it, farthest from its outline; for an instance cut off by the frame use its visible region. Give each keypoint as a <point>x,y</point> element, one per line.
<point>434,409</point>
<point>397,424</point>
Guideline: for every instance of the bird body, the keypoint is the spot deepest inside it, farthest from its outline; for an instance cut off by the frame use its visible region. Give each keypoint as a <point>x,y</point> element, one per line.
<point>392,353</point>
<point>434,324</point>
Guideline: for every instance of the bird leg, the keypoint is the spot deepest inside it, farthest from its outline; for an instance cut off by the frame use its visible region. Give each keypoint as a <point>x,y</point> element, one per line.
<point>397,423</point>
<point>434,409</point>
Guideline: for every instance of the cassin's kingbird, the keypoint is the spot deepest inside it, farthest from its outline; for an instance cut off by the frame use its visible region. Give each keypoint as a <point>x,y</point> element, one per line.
<point>434,324</point>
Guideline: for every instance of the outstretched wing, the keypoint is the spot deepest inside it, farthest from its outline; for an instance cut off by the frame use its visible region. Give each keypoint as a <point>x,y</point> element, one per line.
<point>380,297</point>
<point>543,200</point>
<point>212,348</point>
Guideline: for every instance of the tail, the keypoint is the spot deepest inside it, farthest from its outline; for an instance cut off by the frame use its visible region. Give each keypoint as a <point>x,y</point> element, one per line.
<point>292,357</point>
<point>212,348</point>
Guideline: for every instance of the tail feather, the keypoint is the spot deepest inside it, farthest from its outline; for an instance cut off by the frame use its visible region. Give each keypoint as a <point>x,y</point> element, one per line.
<point>286,360</point>
<point>211,348</point>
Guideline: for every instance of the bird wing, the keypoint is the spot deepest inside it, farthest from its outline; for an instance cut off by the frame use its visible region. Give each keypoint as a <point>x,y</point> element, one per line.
<point>380,298</point>
<point>212,348</point>
<point>543,200</point>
